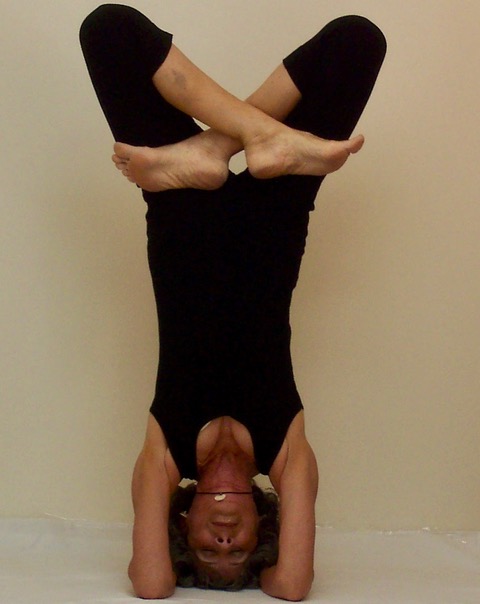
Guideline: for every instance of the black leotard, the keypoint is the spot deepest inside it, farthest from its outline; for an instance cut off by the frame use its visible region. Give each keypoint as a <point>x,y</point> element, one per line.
<point>224,263</point>
<point>225,278</point>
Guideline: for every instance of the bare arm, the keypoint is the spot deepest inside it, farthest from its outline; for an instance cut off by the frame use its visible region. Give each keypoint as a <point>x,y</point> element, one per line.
<point>151,569</point>
<point>296,484</point>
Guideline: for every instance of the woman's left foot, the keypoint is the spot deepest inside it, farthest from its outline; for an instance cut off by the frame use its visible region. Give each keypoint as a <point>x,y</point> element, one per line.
<point>189,164</point>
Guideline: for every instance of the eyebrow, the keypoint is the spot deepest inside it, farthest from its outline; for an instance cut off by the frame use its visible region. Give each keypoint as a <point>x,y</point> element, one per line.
<point>215,564</point>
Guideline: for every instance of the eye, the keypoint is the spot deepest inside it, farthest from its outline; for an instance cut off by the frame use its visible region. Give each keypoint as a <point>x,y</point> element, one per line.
<point>207,555</point>
<point>239,555</point>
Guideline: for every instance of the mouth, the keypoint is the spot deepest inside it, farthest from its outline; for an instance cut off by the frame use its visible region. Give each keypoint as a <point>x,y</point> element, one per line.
<point>225,519</point>
<point>229,524</point>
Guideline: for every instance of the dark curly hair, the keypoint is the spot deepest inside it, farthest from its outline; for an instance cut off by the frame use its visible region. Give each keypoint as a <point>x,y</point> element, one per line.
<point>183,559</point>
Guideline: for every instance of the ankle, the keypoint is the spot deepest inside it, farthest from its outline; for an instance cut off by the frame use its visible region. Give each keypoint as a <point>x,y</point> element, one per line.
<point>220,145</point>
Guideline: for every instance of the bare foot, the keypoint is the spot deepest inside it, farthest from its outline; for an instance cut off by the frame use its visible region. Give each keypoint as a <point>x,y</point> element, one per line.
<point>190,164</point>
<point>295,152</point>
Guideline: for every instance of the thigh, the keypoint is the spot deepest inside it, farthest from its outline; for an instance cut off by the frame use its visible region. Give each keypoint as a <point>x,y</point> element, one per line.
<point>122,50</point>
<point>335,72</point>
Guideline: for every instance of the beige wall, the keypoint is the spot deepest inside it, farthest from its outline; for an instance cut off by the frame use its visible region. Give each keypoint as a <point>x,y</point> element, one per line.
<point>386,327</point>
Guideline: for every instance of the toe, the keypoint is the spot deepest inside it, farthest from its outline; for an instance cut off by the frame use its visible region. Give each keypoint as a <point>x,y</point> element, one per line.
<point>121,166</point>
<point>122,150</point>
<point>356,143</point>
<point>120,163</point>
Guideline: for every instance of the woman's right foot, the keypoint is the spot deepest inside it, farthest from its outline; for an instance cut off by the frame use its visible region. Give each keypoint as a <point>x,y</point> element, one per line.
<point>189,164</point>
<point>289,151</point>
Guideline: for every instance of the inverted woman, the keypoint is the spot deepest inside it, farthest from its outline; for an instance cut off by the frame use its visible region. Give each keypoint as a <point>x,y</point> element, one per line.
<point>224,253</point>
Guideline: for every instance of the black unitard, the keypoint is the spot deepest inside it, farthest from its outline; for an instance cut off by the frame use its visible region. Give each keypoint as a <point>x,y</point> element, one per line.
<point>224,263</point>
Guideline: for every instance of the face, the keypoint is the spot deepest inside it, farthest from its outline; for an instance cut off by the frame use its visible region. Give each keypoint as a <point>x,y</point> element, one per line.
<point>222,534</point>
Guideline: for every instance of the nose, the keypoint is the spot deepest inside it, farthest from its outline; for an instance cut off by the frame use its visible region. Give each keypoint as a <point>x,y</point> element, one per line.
<point>223,535</point>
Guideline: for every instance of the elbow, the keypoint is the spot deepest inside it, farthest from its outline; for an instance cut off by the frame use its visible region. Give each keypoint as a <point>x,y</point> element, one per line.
<point>302,588</point>
<point>297,589</point>
<point>291,594</point>
<point>152,595</point>
<point>295,594</point>
<point>150,588</point>
<point>292,590</point>
<point>152,591</point>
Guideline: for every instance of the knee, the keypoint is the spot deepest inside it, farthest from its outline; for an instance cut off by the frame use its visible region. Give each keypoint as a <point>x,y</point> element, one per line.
<point>99,24</point>
<point>109,23</point>
<point>361,35</point>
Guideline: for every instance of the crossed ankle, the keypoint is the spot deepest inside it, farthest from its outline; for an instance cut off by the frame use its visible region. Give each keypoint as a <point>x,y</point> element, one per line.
<point>291,151</point>
<point>185,165</point>
<point>220,145</point>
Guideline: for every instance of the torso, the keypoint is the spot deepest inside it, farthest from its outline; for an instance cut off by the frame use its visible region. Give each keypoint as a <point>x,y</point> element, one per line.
<point>221,430</point>
<point>226,430</point>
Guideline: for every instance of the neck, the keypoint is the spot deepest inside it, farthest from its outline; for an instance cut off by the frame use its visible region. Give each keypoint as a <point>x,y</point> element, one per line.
<point>226,471</point>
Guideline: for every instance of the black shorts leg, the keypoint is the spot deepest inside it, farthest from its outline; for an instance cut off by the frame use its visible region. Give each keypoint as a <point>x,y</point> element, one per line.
<point>335,72</point>
<point>123,49</point>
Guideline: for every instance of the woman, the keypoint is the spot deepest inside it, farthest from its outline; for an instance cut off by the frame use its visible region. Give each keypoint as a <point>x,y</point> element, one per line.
<point>224,253</point>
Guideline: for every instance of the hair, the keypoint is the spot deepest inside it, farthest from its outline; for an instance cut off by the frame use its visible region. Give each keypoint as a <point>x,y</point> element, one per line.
<point>189,574</point>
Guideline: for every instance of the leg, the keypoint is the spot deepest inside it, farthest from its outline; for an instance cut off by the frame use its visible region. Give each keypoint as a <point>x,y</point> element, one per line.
<point>271,148</point>
<point>323,86</point>
<point>186,87</point>
<point>123,50</point>
<point>335,73</point>
<point>146,166</point>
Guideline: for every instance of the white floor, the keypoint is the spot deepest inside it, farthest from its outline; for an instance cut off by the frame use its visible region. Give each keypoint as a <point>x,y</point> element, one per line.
<point>52,561</point>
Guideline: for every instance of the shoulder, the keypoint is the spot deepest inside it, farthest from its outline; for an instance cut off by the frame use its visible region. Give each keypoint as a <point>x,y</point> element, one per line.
<point>150,569</point>
<point>294,476</point>
<point>295,453</point>
<point>156,452</point>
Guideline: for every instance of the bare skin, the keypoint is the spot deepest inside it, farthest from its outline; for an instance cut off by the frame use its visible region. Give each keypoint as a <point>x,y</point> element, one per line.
<point>271,148</point>
<point>223,533</point>
<point>193,163</point>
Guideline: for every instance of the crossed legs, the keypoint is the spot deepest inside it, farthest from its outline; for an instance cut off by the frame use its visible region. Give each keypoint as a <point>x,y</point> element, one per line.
<point>271,148</point>
<point>224,263</point>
